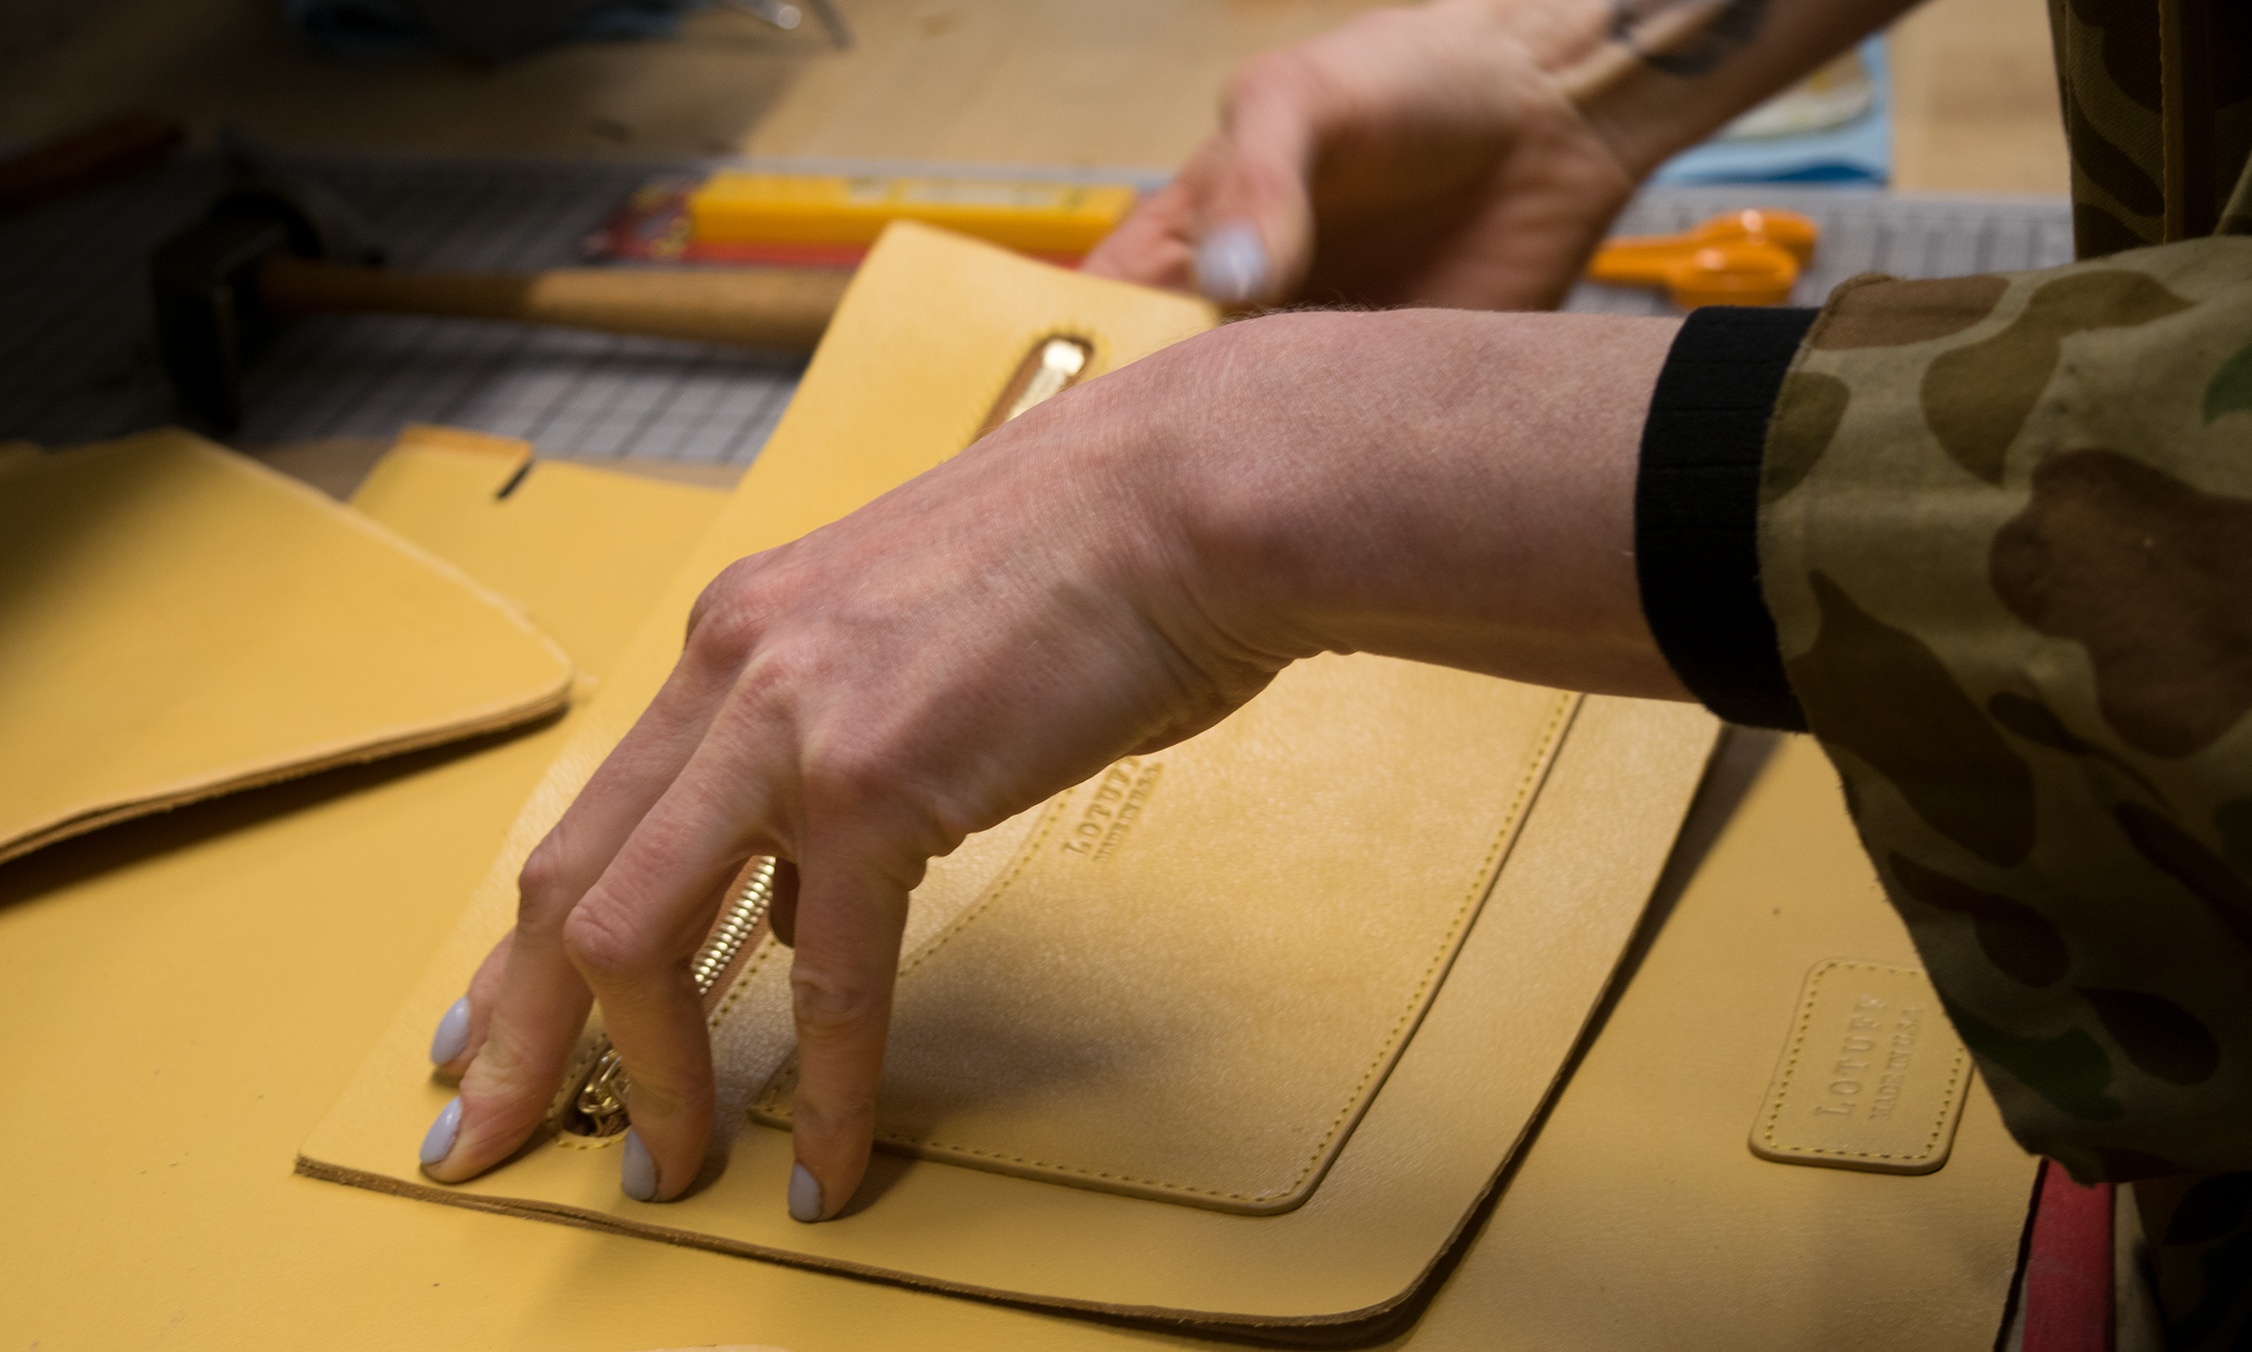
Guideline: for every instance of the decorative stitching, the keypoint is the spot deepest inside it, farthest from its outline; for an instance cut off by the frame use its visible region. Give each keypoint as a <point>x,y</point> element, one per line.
<point>1481,883</point>
<point>1790,1067</point>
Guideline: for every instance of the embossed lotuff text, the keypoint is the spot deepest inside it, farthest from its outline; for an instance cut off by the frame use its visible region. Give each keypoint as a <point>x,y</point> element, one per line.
<point>1873,1060</point>
<point>1119,797</point>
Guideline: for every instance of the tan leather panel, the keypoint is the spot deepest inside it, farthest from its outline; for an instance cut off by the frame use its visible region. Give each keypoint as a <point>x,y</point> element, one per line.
<point>182,1055</point>
<point>1191,979</point>
<point>1640,1218</point>
<point>185,994</point>
<point>440,487</point>
<point>177,621</point>
<point>1455,1106</point>
<point>930,334</point>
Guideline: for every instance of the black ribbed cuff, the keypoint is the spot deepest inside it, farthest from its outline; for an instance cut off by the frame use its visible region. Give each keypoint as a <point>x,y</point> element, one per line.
<point>1696,510</point>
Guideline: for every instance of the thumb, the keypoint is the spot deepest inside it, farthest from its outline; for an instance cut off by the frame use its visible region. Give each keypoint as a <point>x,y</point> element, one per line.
<point>1255,235</point>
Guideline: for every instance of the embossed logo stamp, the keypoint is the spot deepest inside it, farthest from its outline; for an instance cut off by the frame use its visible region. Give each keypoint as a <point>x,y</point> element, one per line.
<point>1116,804</point>
<point>1871,1076</point>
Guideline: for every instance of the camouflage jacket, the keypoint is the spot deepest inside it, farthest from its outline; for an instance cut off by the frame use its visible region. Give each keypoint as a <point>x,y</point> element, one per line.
<point>2004,542</point>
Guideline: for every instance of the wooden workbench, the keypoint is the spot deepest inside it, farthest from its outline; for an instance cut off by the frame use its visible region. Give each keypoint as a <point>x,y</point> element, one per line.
<point>1116,83</point>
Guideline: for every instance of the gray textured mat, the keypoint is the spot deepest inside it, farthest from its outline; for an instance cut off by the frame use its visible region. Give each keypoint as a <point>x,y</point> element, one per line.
<point>77,363</point>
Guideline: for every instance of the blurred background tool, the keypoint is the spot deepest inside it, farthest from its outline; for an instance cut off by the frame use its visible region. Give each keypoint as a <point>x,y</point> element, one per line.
<point>1749,257</point>
<point>274,246</point>
<point>829,220</point>
<point>79,160</point>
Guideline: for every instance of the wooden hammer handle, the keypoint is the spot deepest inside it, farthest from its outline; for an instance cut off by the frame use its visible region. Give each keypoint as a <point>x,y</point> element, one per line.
<point>748,307</point>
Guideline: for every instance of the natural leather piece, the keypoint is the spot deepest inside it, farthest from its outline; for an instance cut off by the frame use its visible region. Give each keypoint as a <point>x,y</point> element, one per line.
<point>177,621</point>
<point>1193,974</point>
<point>929,337</point>
<point>1872,1077</point>
<point>442,488</point>
<point>1636,1219</point>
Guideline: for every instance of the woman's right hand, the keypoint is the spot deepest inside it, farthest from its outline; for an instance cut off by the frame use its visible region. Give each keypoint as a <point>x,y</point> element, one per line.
<point>1412,157</point>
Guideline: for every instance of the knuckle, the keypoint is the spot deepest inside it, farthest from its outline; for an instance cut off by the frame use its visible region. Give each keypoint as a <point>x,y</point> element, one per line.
<point>825,1003</point>
<point>605,946</point>
<point>726,621</point>
<point>849,777</point>
<point>543,886</point>
<point>500,1082</point>
<point>504,1096</point>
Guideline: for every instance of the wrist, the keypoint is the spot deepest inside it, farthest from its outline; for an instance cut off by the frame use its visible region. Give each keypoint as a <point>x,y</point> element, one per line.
<point>1439,485</point>
<point>1593,80</point>
<point>1554,34</point>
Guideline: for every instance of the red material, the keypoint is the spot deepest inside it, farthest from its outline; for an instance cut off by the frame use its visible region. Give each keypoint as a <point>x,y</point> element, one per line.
<point>2068,1267</point>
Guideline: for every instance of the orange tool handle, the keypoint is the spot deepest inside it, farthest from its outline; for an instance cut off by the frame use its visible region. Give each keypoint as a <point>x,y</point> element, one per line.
<point>1796,235</point>
<point>1750,257</point>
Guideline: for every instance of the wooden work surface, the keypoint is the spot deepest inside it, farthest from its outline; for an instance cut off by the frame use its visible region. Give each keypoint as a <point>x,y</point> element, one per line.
<point>1118,83</point>
<point>1054,82</point>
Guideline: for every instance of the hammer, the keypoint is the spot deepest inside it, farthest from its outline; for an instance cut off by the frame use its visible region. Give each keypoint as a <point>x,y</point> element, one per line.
<point>275,246</point>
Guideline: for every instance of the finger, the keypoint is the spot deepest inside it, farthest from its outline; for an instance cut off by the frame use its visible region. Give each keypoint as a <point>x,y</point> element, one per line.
<point>541,1006</point>
<point>782,911</point>
<point>848,926</point>
<point>461,1031</point>
<point>1255,238</point>
<point>632,939</point>
<point>1156,244</point>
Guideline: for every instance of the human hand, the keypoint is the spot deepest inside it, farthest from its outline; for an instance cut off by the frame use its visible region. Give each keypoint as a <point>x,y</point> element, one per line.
<point>1112,572</point>
<point>855,702</point>
<point>1413,156</point>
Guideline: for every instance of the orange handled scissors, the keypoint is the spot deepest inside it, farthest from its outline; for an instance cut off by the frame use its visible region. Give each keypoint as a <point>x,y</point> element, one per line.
<point>1750,257</point>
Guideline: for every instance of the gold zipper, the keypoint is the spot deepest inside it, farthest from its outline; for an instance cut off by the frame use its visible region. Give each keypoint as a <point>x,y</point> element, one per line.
<point>1054,365</point>
<point>599,1108</point>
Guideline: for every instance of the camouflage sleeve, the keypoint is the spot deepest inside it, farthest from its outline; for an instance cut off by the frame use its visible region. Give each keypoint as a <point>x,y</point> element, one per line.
<point>2005,536</point>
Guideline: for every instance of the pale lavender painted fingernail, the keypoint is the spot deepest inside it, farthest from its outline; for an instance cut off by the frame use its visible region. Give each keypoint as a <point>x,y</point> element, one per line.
<point>438,1142</point>
<point>805,1194</point>
<point>1231,264</point>
<point>452,1034</point>
<point>637,1172</point>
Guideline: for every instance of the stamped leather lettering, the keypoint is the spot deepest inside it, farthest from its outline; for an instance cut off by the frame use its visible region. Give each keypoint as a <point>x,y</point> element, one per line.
<point>1116,804</point>
<point>1871,1078</point>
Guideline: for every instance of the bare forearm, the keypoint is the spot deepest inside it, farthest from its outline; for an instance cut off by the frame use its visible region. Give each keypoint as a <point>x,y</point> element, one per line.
<point>1441,485</point>
<point>1667,99</point>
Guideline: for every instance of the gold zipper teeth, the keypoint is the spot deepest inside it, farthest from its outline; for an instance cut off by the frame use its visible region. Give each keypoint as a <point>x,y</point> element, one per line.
<point>600,1103</point>
<point>735,925</point>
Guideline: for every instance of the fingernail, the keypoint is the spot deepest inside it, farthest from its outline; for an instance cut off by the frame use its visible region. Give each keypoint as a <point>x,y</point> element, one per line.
<point>637,1173</point>
<point>452,1034</point>
<point>1231,264</point>
<point>438,1142</point>
<point>805,1194</point>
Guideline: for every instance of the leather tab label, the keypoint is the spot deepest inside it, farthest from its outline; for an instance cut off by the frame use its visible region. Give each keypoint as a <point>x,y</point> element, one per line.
<point>1872,1076</point>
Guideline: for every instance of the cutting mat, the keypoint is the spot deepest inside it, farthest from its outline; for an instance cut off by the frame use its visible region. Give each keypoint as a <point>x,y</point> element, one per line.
<point>77,362</point>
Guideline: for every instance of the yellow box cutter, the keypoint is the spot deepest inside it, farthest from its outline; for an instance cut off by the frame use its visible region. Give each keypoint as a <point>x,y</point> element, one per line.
<point>1057,219</point>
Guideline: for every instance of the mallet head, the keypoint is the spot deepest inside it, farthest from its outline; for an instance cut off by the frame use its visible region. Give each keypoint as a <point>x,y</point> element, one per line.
<point>204,280</point>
